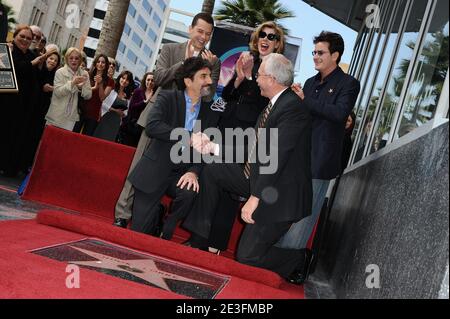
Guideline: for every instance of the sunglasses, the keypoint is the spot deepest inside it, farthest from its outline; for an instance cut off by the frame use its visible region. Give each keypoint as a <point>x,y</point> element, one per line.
<point>270,36</point>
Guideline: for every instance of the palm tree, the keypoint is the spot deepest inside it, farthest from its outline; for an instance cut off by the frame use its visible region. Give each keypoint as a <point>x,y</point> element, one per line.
<point>208,6</point>
<point>113,25</point>
<point>432,65</point>
<point>253,12</point>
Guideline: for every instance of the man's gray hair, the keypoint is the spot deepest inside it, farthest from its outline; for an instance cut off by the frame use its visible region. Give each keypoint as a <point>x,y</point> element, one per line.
<point>35,28</point>
<point>278,66</point>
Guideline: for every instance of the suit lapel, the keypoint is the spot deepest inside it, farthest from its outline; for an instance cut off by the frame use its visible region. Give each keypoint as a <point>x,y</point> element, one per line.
<point>181,54</point>
<point>277,104</point>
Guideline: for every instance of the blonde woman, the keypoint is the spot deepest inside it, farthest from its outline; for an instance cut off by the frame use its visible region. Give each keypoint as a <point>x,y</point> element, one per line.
<point>70,81</point>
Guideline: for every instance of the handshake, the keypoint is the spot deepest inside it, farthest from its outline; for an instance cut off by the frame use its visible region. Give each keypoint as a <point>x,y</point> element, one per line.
<point>202,144</point>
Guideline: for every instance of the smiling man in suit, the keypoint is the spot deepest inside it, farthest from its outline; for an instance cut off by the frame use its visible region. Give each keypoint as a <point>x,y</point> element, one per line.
<point>157,174</point>
<point>275,200</point>
<point>167,67</point>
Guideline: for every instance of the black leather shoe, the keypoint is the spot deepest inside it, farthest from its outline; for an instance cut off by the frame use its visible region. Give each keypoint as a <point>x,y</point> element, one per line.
<point>301,273</point>
<point>121,222</point>
<point>198,242</point>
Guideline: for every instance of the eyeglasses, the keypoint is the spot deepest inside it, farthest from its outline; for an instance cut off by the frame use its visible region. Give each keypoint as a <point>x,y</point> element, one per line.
<point>270,36</point>
<point>257,75</point>
<point>37,37</point>
<point>319,52</point>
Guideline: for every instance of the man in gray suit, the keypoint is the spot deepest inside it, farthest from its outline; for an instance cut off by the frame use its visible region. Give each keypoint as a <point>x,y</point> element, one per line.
<point>168,65</point>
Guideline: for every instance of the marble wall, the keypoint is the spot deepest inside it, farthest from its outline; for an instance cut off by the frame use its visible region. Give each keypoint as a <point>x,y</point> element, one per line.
<point>392,213</point>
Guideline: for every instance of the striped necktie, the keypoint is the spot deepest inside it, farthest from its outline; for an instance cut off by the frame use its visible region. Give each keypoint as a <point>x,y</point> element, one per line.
<point>261,125</point>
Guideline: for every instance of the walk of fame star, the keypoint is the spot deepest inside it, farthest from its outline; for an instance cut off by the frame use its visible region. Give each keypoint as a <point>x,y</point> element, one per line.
<point>145,269</point>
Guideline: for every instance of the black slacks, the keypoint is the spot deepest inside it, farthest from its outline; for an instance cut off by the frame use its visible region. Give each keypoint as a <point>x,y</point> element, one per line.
<point>256,247</point>
<point>146,207</point>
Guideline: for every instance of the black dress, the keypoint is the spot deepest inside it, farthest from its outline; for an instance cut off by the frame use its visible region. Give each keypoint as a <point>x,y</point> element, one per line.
<point>245,103</point>
<point>16,116</point>
<point>41,108</point>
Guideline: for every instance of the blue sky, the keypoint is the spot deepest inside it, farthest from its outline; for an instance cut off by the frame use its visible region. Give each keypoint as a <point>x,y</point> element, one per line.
<point>307,23</point>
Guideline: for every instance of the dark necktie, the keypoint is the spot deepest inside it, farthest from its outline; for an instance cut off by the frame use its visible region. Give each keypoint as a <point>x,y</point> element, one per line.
<point>261,125</point>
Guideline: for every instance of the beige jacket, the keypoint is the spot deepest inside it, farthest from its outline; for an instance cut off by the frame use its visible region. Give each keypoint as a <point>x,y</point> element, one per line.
<point>64,104</point>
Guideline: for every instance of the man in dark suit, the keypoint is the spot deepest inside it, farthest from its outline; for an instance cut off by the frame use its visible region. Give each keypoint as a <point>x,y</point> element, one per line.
<point>157,172</point>
<point>276,199</point>
<point>168,65</point>
<point>330,96</point>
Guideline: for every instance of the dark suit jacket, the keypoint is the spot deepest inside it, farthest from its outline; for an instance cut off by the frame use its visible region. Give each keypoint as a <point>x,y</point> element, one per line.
<point>167,114</point>
<point>285,195</point>
<point>330,103</point>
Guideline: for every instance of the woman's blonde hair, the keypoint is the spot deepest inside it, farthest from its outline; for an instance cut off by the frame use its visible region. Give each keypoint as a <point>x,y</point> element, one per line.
<point>255,37</point>
<point>69,53</point>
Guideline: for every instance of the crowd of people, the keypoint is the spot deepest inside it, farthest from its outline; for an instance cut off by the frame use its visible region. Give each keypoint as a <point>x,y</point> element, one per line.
<point>279,208</point>
<point>58,90</point>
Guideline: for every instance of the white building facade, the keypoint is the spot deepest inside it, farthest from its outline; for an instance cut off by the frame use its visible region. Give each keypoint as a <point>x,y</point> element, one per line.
<point>141,37</point>
<point>63,22</point>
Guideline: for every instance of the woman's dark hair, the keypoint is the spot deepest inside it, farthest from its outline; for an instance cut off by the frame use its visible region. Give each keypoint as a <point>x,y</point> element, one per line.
<point>353,116</point>
<point>59,61</point>
<point>144,79</point>
<point>335,42</point>
<point>130,88</point>
<point>189,68</point>
<point>93,72</point>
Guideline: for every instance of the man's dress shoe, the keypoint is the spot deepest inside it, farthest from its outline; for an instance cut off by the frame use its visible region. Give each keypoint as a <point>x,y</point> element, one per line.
<point>300,274</point>
<point>121,222</point>
<point>194,244</point>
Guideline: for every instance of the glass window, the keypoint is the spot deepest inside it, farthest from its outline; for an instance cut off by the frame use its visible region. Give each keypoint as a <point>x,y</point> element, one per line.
<point>147,6</point>
<point>152,34</point>
<point>122,47</point>
<point>137,40</point>
<point>366,102</point>
<point>142,23</point>
<point>396,81</point>
<point>131,56</point>
<point>387,109</point>
<point>143,66</point>
<point>162,4</point>
<point>425,89</point>
<point>132,10</point>
<point>127,29</point>
<point>148,51</point>
<point>157,19</point>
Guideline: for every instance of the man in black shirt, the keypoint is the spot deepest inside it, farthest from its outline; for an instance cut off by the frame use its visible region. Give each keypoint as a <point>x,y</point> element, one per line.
<point>330,96</point>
